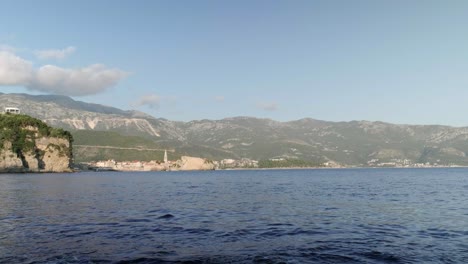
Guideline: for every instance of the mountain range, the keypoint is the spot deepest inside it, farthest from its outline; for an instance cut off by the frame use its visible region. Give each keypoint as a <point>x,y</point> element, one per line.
<point>107,132</point>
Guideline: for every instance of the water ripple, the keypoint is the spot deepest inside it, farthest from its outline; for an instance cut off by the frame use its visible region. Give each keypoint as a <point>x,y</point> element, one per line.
<point>284,216</point>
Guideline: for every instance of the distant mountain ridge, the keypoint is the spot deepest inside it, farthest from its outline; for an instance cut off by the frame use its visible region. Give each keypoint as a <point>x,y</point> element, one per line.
<point>355,143</point>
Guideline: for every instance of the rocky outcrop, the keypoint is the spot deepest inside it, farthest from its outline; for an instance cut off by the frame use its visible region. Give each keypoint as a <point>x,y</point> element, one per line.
<point>57,154</point>
<point>193,163</point>
<point>29,145</point>
<point>9,161</point>
<point>48,155</point>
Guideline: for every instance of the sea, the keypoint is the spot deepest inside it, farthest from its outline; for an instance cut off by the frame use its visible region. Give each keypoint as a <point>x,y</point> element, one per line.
<point>241,216</point>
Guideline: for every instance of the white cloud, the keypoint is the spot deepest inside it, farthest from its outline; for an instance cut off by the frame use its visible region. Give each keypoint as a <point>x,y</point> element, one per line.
<point>56,54</point>
<point>273,106</point>
<point>52,79</point>
<point>14,70</point>
<point>152,101</point>
<point>76,82</point>
<point>8,48</point>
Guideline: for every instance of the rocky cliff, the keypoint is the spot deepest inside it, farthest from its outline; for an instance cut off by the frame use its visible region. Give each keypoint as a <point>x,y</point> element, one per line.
<point>29,145</point>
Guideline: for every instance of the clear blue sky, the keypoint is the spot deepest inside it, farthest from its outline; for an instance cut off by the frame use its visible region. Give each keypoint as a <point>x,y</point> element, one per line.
<point>393,61</point>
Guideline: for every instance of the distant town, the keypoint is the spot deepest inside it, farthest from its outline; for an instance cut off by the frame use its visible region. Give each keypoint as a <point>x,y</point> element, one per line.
<point>195,163</point>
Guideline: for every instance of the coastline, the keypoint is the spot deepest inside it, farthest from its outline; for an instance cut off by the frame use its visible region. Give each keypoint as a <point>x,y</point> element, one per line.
<point>266,169</point>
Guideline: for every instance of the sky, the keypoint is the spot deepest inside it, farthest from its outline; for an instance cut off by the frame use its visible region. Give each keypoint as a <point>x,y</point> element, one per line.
<point>395,61</point>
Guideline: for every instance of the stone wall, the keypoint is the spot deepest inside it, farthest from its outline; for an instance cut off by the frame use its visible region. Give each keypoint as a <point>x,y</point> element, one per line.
<point>193,163</point>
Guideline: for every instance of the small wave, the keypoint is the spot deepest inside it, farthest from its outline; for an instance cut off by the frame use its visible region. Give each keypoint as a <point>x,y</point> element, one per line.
<point>328,258</point>
<point>381,256</point>
<point>138,220</point>
<point>142,260</point>
<point>277,232</point>
<point>198,230</point>
<point>166,216</point>
<point>280,224</point>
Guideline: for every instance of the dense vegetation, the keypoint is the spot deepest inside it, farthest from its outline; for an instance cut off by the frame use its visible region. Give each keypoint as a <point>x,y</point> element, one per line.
<point>20,131</point>
<point>288,163</point>
<point>109,138</point>
<point>104,145</point>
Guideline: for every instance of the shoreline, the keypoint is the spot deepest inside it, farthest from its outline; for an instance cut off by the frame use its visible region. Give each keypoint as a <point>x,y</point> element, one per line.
<point>280,168</point>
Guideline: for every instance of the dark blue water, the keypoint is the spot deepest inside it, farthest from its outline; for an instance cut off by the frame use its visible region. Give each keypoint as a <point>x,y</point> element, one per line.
<point>272,216</point>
